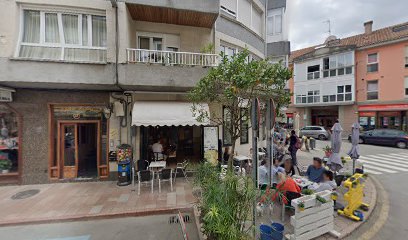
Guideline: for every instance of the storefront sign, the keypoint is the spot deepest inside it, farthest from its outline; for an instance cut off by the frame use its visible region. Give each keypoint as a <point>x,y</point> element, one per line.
<point>389,114</point>
<point>367,114</point>
<point>6,95</point>
<point>211,144</point>
<point>289,115</point>
<point>388,107</point>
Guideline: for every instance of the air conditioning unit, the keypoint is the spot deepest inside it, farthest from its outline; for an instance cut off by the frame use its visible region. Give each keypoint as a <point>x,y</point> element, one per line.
<point>6,94</point>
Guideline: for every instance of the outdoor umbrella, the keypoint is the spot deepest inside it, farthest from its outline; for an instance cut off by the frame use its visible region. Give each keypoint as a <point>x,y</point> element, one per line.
<point>354,151</point>
<point>296,125</point>
<point>334,161</point>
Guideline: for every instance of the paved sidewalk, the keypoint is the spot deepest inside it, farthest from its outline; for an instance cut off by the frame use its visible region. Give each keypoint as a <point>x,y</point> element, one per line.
<point>85,200</point>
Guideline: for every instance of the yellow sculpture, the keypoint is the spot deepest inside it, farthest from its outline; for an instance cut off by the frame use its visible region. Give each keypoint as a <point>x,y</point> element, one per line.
<point>354,196</point>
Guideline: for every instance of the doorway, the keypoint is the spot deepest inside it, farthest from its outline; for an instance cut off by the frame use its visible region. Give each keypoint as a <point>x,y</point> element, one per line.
<point>79,149</point>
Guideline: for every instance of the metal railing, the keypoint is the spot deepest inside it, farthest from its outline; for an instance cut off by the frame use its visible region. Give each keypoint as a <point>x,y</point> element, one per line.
<point>171,58</point>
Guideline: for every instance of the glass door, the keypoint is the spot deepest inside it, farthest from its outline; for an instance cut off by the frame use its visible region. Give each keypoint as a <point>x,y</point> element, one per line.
<point>69,150</point>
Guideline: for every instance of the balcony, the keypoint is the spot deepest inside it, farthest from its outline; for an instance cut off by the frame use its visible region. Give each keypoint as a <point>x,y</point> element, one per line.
<point>171,58</point>
<point>157,70</point>
<point>202,13</point>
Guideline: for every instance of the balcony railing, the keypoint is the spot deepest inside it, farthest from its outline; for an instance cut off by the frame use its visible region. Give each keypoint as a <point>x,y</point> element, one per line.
<point>171,58</point>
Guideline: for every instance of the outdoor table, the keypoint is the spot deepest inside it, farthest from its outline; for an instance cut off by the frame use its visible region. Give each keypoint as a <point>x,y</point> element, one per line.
<point>241,158</point>
<point>302,182</point>
<point>157,165</point>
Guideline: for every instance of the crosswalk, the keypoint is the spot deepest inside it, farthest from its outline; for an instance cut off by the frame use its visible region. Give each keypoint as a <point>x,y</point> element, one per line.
<point>385,163</point>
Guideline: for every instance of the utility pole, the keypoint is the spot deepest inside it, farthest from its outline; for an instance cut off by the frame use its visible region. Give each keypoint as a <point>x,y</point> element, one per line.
<point>255,129</point>
<point>329,23</point>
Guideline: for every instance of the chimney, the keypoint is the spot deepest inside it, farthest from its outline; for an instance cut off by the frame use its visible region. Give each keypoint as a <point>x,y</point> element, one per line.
<point>368,26</point>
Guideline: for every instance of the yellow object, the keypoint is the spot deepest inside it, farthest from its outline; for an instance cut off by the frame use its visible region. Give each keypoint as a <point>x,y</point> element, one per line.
<point>354,196</point>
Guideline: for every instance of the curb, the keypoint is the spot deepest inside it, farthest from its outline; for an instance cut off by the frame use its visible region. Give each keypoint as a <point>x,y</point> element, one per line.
<point>373,205</point>
<point>98,217</point>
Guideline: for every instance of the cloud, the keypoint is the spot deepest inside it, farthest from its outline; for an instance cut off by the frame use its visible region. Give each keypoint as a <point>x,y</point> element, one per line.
<point>307,26</point>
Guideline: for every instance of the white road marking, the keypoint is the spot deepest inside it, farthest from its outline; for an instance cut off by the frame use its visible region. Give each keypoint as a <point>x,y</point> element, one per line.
<point>404,155</point>
<point>393,156</point>
<point>388,162</point>
<point>369,167</point>
<point>371,172</point>
<point>384,166</point>
<point>384,159</point>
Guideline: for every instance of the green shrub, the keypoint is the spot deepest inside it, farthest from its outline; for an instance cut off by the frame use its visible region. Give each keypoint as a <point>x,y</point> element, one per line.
<point>226,203</point>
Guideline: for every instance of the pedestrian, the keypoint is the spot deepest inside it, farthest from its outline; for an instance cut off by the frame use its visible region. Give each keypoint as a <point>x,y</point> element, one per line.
<point>263,175</point>
<point>294,145</point>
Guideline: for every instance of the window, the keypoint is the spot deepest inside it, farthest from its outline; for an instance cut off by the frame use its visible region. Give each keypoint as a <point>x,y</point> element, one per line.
<point>244,126</point>
<point>301,98</point>
<point>406,86</point>
<point>60,36</point>
<point>10,142</point>
<point>227,140</point>
<point>344,93</point>
<point>372,90</point>
<point>372,62</point>
<point>229,7</point>
<point>313,72</point>
<point>406,56</point>
<point>274,21</point>
<point>313,96</point>
<point>338,65</point>
<point>329,98</point>
<point>228,51</point>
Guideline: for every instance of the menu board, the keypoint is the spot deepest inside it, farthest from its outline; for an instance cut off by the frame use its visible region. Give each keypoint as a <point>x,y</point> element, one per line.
<point>211,144</point>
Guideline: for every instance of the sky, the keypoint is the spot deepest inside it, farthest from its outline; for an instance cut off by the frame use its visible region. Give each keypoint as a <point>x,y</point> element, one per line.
<point>307,26</point>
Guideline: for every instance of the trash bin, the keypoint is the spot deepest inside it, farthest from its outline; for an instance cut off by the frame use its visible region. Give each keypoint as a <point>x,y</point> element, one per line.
<point>124,173</point>
<point>312,143</point>
<point>266,232</point>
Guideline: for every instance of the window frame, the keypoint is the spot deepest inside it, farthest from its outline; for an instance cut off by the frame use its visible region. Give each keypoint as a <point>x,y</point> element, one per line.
<point>367,92</point>
<point>242,123</point>
<point>313,75</point>
<point>406,86</point>
<point>406,56</point>
<point>61,45</point>
<point>373,63</point>
<point>273,15</point>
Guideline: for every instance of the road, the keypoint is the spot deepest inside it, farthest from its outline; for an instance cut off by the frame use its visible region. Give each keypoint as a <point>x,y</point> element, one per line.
<point>129,228</point>
<point>390,167</point>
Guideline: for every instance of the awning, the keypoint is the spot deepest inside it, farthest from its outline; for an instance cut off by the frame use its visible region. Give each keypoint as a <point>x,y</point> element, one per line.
<point>383,107</point>
<point>164,113</point>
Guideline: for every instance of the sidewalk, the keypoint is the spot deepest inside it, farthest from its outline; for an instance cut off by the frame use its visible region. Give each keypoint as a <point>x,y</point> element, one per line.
<point>343,225</point>
<point>88,200</point>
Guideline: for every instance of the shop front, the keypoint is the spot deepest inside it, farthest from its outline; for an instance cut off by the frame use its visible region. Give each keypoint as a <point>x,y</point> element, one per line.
<point>392,116</point>
<point>325,116</point>
<point>78,142</point>
<point>167,130</point>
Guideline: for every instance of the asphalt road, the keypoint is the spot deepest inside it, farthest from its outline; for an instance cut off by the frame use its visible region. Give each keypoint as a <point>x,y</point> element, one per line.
<point>129,228</point>
<point>392,220</point>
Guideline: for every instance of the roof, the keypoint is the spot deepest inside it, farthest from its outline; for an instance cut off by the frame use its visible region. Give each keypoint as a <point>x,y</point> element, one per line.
<point>382,35</point>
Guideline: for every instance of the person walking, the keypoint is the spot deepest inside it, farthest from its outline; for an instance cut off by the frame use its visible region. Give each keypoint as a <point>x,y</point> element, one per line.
<point>293,146</point>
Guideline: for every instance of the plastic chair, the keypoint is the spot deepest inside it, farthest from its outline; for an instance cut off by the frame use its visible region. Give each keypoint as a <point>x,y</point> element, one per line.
<point>182,167</point>
<point>166,175</point>
<point>145,177</point>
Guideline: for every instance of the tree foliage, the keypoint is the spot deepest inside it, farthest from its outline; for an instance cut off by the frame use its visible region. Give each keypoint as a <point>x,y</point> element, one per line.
<point>233,83</point>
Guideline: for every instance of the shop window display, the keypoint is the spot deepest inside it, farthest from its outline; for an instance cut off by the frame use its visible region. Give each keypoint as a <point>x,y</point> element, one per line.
<point>9,140</point>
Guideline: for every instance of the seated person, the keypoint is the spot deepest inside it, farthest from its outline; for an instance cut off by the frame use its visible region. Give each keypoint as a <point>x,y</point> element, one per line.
<point>288,166</point>
<point>226,155</point>
<point>287,185</point>
<point>263,175</point>
<point>157,149</point>
<point>315,172</point>
<point>276,169</point>
<point>327,184</point>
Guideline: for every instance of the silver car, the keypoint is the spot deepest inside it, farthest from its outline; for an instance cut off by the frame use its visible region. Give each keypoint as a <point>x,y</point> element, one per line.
<point>315,132</point>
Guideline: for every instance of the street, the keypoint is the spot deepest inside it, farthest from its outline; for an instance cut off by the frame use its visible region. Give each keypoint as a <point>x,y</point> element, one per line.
<point>146,228</point>
<point>390,167</point>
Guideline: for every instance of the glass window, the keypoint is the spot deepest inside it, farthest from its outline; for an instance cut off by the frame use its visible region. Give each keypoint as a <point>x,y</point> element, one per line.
<point>372,62</point>
<point>70,46</point>
<point>340,89</point>
<point>274,22</point>
<point>348,88</point>
<point>372,90</point>
<point>244,126</point>
<point>406,86</point>
<point>9,141</point>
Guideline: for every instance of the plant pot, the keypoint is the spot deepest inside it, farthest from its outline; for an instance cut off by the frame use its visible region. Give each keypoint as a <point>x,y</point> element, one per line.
<point>334,197</point>
<point>5,171</point>
<point>301,209</point>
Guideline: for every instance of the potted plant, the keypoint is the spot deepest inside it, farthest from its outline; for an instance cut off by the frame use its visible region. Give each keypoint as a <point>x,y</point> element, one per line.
<point>301,206</point>
<point>307,191</point>
<point>320,199</point>
<point>5,165</point>
<point>327,151</point>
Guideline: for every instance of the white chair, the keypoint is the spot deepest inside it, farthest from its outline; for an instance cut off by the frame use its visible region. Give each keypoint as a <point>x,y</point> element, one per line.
<point>181,167</point>
<point>145,177</point>
<point>166,175</point>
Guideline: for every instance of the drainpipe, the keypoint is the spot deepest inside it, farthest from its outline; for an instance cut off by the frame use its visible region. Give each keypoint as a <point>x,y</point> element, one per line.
<point>265,28</point>
<point>115,5</point>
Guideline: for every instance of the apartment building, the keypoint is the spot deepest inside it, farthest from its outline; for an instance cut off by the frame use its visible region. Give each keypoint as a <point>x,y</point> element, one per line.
<point>344,79</point>
<point>80,78</point>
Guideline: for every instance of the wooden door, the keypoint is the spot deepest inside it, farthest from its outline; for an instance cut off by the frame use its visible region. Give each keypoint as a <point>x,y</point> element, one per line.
<point>69,150</point>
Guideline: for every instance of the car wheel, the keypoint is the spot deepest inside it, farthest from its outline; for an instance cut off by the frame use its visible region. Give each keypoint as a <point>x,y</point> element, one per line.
<point>360,141</point>
<point>401,144</point>
<point>321,137</point>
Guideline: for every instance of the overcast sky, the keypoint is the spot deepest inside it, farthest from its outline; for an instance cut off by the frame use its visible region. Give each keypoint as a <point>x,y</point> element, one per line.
<point>306,18</point>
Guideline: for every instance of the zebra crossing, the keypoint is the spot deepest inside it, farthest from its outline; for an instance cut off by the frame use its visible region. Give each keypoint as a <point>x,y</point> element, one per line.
<point>385,163</point>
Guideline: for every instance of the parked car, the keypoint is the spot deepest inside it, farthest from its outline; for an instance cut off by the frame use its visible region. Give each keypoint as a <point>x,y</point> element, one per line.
<point>387,137</point>
<point>314,131</point>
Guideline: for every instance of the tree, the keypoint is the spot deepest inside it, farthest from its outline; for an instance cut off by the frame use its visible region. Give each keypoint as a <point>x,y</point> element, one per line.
<point>232,84</point>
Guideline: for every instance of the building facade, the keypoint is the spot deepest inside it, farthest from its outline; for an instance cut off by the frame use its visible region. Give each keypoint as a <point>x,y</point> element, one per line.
<point>78,74</point>
<point>373,68</point>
